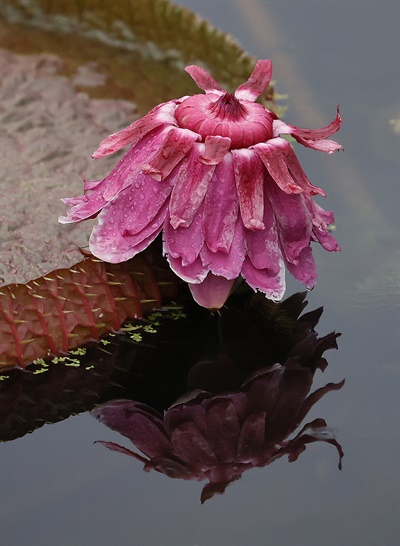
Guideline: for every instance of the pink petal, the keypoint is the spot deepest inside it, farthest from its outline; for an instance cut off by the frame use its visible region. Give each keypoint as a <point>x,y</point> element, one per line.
<point>321,221</point>
<point>318,134</point>
<point>312,138</point>
<point>229,264</point>
<point>216,147</point>
<point>195,272</point>
<point>174,148</point>
<point>192,180</point>
<point>115,244</point>
<point>185,242</point>
<point>89,185</point>
<point>273,159</point>
<point>126,172</point>
<point>221,207</point>
<point>327,146</point>
<point>203,80</point>
<point>297,172</point>
<point>249,176</point>
<point>129,222</point>
<point>129,168</point>
<point>305,269</point>
<point>263,246</point>
<point>257,83</point>
<point>213,292</point>
<point>293,219</point>
<point>272,285</point>
<point>163,114</point>
<point>82,208</point>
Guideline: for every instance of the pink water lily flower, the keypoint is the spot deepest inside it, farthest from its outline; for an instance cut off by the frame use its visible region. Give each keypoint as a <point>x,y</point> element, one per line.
<point>213,173</point>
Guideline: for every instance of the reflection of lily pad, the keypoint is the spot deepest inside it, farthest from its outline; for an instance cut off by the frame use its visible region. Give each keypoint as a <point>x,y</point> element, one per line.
<point>89,58</point>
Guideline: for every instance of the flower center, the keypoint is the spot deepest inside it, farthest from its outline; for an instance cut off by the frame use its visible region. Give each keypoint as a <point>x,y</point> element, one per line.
<point>246,123</point>
<point>228,107</point>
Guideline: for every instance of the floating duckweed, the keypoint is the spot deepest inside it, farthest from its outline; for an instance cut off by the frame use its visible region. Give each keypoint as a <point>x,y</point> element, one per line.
<point>79,351</point>
<point>41,370</point>
<point>105,341</point>
<point>40,362</point>
<point>129,327</point>
<point>176,315</point>
<point>149,329</point>
<point>74,362</point>
<point>154,316</point>
<point>136,337</point>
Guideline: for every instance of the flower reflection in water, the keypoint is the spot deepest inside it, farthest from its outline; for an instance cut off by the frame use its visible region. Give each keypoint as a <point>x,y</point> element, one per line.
<point>213,173</point>
<point>217,434</point>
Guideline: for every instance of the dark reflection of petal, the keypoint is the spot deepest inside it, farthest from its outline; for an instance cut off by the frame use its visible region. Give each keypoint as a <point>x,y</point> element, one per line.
<point>217,434</point>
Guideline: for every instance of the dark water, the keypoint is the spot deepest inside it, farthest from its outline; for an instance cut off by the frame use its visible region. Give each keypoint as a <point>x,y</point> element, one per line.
<point>59,488</point>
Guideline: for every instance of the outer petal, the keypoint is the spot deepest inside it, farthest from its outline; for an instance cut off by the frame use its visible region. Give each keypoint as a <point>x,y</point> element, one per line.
<point>249,176</point>
<point>216,148</point>
<point>257,83</point>
<point>305,269</point>
<point>82,208</point>
<point>293,219</point>
<point>312,138</point>
<point>127,172</point>
<point>221,207</point>
<point>275,162</point>
<point>174,148</point>
<point>191,183</point>
<point>185,243</point>
<point>129,168</point>
<point>320,222</point>
<point>272,285</point>
<point>212,292</point>
<point>195,272</point>
<point>163,114</point>
<point>229,264</point>
<point>263,246</point>
<point>115,244</point>
<point>203,80</point>
<point>296,170</point>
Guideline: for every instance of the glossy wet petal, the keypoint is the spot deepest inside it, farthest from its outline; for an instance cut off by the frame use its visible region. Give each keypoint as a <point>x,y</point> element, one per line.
<point>297,171</point>
<point>313,138</point>
<point>321,221</point>
<point>271,155</point>
<point>272,285</point>
<point>192,180</point>
<point>173,149</point>
<point>263,246</point>
<point>305,269</point>
<point>195,272</point>
<point>221,207</point>
<point>185,243</point>
<point>293,220</point>
<point>212,292</point>
<point>227,264</point>
<point>163,114</point>
<point>249,176</point>
<point>257,83</point>
<point>203,79</point>
<point>82,208</point>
